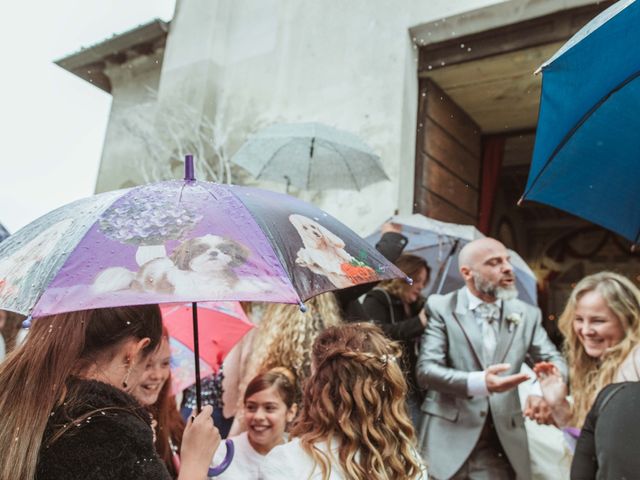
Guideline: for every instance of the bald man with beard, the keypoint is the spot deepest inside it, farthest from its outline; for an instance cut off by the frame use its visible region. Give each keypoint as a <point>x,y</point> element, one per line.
<point>471,353</point>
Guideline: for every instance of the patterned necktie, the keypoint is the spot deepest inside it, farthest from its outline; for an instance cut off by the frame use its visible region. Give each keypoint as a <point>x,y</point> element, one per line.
<point>488,312</point>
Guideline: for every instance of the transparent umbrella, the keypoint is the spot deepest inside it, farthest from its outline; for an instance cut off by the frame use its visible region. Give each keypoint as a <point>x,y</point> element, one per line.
<point>310,156</point>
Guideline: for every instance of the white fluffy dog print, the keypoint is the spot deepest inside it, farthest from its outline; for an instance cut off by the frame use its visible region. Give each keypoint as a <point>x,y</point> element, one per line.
<point>199,267</point>
<point>323,251</point>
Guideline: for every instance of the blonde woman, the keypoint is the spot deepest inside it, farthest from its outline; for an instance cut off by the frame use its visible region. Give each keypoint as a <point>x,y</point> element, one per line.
<point>601,325</point>
<point>284,339</point>
<point>354,423</point>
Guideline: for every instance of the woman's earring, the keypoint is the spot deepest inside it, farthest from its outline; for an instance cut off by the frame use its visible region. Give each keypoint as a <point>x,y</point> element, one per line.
<point>125,380</point>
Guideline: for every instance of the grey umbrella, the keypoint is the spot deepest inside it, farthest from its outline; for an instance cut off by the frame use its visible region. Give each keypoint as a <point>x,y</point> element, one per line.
<point>310,156</point>
<point>4,233</point>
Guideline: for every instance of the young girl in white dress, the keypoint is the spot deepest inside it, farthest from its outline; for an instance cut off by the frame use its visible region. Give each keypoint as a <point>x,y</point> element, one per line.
<point>268,408</point>
<point>354,423</point>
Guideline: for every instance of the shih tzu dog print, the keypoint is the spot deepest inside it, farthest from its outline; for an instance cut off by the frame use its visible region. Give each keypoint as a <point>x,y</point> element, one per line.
<point>198,267</point>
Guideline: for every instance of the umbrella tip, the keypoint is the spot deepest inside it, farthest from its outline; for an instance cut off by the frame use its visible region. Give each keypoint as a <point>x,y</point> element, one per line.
<point>303,307</point>
<point>189,172</point>
<point>27,322</point>
<point>409,280</point>
<point>520,200</point>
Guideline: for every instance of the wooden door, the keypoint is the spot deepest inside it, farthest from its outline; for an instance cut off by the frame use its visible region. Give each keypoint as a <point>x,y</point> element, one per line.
<point>448,157</point>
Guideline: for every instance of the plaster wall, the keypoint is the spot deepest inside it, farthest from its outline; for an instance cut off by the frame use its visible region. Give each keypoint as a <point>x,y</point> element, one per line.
<point>132,87</point>
<point>352,65</point>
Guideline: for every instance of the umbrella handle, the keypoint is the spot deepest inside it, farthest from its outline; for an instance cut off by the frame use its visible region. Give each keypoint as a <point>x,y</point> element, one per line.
<point>215,471</point>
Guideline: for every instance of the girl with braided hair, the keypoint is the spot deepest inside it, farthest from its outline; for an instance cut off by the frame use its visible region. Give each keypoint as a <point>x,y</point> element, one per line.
<point>283,339</point>
<point>354,423</point>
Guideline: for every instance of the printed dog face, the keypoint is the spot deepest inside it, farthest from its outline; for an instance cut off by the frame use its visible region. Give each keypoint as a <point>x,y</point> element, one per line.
<point>209,254</point>
<point>323,252</point>
<point>313,234</point>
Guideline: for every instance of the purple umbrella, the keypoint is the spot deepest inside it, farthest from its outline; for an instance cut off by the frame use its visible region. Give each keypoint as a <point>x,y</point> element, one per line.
<point>182,241</point>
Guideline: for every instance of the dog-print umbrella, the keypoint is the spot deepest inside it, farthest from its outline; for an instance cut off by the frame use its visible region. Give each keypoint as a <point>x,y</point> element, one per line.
<point>181,241</point>
<point>221,326</point>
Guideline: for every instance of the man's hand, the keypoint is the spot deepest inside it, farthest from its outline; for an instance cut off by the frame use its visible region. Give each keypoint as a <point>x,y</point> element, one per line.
<point>423,318</point>
<point>497,384</point>
<point>537,409</point>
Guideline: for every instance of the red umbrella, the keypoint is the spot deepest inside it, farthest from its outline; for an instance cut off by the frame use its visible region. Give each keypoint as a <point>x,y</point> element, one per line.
<point>221,325</point>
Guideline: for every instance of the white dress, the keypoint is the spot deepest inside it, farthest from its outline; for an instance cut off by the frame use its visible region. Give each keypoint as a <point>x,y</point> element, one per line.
<point>246,461</point>
<point>291,462</point>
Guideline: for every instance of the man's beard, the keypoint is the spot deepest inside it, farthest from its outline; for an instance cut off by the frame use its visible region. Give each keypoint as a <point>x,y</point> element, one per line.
<point>486,287</point>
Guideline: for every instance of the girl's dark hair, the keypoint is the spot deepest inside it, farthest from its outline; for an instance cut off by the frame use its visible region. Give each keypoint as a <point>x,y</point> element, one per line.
<point>170,423</point>
<point>410,266</point>
<point>34,377</point>
<point>278,377</point>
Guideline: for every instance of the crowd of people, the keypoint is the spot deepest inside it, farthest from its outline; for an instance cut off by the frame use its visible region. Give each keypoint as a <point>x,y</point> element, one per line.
<point>391,386</point>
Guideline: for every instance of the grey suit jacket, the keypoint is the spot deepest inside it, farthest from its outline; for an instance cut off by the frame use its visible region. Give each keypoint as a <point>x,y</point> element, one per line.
<point>451,348</point>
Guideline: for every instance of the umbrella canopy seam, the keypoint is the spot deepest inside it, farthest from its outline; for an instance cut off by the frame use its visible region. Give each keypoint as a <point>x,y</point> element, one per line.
<point>576,127</point>
<point>355,180</point>
<point>276,251</point>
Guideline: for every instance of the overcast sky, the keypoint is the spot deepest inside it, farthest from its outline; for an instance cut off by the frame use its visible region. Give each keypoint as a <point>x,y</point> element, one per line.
<point>52,122</point>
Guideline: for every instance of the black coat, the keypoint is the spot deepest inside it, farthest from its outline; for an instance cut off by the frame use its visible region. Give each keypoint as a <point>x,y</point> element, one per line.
<point>110,438</point>
<point>390,246</point>
<point>387,311</point>
<point>608,445</point>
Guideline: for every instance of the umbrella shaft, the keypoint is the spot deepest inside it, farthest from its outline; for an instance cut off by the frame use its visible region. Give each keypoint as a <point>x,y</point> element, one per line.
<point>196,353</point>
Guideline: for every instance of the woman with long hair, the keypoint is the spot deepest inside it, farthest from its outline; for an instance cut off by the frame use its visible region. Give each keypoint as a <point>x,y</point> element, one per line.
<point>154,392</point>
<point>66,410</point>
<point>601,325</point>
<point>10,330</point>
<point>354,423</point>
<point>284,339</point>
<point>398,308</point>
<point>269,407</point>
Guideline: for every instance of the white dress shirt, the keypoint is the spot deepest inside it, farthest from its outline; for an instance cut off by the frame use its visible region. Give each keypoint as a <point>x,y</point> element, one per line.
<point>476,381</point>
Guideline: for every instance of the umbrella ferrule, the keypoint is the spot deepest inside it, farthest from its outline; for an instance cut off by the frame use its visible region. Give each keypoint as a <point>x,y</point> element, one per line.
<point>303,307</point>
<point>189,171</point>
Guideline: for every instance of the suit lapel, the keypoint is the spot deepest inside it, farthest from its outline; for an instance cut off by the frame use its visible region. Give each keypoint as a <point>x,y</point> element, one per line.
<point>467,322</point>
<point>506,332</point>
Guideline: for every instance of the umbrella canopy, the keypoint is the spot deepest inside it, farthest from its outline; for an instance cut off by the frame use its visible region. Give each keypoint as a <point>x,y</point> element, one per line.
<point>221,326</point>
<point>4,233</point>
<point>181,241</point>
<point>439,243</point>
<point>310,156</point>
<point>585,159</point>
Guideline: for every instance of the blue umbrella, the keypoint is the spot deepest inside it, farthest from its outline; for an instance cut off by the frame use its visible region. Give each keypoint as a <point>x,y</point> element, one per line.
<point>585,159</point>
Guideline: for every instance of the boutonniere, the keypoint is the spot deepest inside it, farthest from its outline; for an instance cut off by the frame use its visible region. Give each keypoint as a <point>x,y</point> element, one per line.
<point>513,319</point>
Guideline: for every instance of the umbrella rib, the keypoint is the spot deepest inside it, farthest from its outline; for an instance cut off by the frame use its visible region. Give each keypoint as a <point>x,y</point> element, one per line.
<point>576,127</point>
<point>355,180</point>
<point>63,263</point>
<point>273,156</point>
<point>276,251</point>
